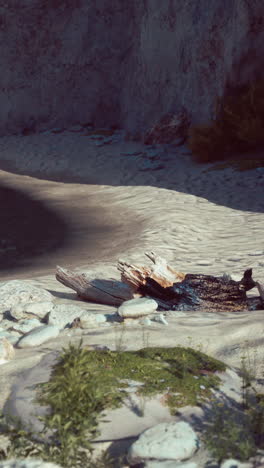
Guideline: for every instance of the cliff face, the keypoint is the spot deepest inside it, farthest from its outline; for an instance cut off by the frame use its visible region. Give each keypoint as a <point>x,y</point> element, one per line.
<point>123,63</point>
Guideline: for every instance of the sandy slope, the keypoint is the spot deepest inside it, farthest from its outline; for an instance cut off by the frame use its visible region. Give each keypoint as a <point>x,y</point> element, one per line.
<point>118,199</point>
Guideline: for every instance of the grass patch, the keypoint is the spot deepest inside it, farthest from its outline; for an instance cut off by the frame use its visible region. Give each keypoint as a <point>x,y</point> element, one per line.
<point>84,383</point>
<point>238,126</point>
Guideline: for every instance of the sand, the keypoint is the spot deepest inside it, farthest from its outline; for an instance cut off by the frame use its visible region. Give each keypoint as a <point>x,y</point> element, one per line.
<point>116,199</point>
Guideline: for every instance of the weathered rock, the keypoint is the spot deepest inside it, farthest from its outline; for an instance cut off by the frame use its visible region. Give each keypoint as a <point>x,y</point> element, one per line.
<point>135,308</point>
<point>38,336</point>
<point>27,463</point>
<point>24,311</point>
<point>165,441</point>
<point>17,292</point>
<point>25,326</point>
<point>6,349</point>
<point>63,315</point>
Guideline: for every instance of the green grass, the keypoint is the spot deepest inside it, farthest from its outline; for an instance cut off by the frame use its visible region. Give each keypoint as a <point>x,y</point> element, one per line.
<point>85,383</point>
<point>237,128</point>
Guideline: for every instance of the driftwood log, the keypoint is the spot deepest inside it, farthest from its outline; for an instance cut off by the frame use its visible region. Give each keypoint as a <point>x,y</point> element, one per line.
<point>171,289</point>
<point>109,292</point>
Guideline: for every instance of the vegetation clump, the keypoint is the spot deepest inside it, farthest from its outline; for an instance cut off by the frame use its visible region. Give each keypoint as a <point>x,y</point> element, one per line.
<point>86,382</point>
<point>238,126</point>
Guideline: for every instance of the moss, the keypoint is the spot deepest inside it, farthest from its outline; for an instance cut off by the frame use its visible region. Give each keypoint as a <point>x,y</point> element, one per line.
<point>169,371</point>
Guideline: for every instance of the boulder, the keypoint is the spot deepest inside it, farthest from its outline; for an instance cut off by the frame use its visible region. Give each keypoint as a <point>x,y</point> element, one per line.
<point>63,315</point>
<point>165,441</point>
<point>38,336</point>
<point>135,308</point>
<point>16,292</point>
<point>29,309</point>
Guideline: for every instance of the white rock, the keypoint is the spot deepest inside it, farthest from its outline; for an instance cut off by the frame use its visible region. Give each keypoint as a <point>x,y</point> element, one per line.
<point>89,320</point>
<point>161,319</point>
<point>146,322</point>
<point>165,441</point>
<point>19,292</point>
<point>170,464</point>
<point>38,336</point>
<point>6,349</point>
<point>25,326</point>
<point>27,463</point>
<point>137,307</point>
<point>62,315</point>
<point>23,311</point>
<point>232,463</point>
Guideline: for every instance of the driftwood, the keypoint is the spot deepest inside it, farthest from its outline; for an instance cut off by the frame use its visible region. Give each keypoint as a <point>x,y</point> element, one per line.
<point>171,289</point>
<point>179,291</point>
<point>95,290</point>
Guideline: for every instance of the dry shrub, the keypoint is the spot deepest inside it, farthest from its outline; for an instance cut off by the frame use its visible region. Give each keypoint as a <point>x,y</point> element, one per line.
<point>237,128</point>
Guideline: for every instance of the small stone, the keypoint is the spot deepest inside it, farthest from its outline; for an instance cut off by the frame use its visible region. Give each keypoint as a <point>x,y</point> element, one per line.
<point>165,441</point>
<point>6,349</point>
<point>5,444</point>
<point>38,309</point>
<point>92,320</point>
<point>161,319</point>
<point>146,322</point>
<point>137,307</point>
<point>27,463</point>
<point>38,336</point>
<point>170,464</point>
<point>232,463</point>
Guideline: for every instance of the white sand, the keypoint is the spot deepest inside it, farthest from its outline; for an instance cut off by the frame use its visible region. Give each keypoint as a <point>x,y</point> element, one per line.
<point>207,222</point>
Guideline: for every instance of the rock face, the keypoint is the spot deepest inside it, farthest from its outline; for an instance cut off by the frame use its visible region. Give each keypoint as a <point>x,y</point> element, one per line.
<point>123,63</point>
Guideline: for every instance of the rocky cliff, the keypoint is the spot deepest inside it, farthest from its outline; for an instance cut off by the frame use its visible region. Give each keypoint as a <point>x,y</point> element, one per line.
<point>123,63</point>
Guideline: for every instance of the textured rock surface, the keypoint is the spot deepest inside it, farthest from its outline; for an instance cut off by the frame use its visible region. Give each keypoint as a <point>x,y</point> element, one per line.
<point>165,441</point>
<point>122,63</point>
<point>15,292</point>
<point>64,314</point>
<point>137,307</point>
<point>24,311</point>
<point>38,336</point>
